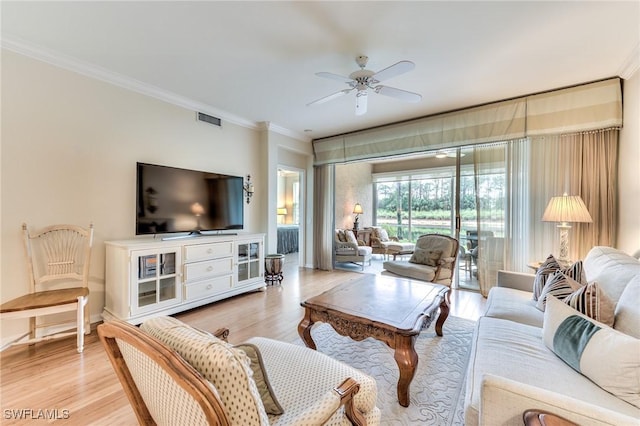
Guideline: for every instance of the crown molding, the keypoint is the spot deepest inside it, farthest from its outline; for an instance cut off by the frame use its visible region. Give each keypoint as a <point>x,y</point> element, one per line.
<point>631,64</point>
<point>69,63</point>
<point>286,132</point>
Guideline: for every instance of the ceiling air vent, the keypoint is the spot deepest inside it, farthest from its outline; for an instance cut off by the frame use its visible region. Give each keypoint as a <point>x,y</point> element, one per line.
<point>209,119</point>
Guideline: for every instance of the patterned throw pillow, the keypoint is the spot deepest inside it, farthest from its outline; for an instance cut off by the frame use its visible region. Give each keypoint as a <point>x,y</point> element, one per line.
<point>591,301</point>
<point>341,237</point>
<point>558,285</point>
<point>606,356</point>
<point>548,267</point>
<point>350,236</point>
<point>426,257</point>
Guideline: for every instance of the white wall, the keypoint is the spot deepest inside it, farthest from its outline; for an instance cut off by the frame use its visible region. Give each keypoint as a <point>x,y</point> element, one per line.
<point>353,185</point>
<point>628,169</point>
<point>69,150</point>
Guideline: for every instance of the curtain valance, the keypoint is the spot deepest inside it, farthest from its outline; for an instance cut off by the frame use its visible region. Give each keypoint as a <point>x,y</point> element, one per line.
<point>587,107</point>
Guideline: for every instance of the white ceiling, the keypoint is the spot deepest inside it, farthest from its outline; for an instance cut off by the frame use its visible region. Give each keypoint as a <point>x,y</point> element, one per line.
<point>252,62</point>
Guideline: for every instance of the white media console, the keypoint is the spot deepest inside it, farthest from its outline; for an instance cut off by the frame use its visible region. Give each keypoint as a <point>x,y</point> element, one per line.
<point>148,277</point>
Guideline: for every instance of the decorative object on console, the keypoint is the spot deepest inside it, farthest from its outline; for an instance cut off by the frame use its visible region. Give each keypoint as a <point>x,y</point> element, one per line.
<point>273,268</point>
<point>566,209</point>
<point>357,210</point>
<point>248,189</point>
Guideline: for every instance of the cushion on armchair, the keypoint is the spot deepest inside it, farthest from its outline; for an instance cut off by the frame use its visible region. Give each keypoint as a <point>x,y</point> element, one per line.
<point>350,236</point>
<point>380,233</point>
<point>228,369</point>
<point>426,257</point>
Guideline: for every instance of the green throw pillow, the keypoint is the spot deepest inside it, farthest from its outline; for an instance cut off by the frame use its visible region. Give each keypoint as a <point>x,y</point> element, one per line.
<point>607,357</point>
<point>271,404</point>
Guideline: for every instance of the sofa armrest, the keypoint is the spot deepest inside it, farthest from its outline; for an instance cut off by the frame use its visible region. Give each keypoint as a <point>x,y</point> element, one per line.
<point>346,248</point>
<point>322,409</point>
<point>515,280</point>
<point>504,401</point>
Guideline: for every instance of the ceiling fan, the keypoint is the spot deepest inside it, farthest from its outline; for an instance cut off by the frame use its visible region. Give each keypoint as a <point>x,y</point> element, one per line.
<point>364,80</point>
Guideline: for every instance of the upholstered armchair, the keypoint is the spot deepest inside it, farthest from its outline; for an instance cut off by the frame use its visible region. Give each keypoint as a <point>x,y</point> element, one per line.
<point>175,374</point>
<point>348,250</point>
<point>433,260</point>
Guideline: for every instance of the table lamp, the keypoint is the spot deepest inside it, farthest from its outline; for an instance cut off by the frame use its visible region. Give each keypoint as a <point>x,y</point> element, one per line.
<point>564,210</point>
<point>357,210</point>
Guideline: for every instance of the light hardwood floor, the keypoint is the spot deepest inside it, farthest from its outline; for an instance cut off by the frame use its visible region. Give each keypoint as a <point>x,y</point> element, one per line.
<point>83,387</point>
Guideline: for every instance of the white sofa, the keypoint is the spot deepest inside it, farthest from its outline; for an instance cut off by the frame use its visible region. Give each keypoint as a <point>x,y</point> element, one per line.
<point>511,369</point>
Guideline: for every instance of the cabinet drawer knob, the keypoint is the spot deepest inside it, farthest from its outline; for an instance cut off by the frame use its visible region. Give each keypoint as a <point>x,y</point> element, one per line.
<point>210,268</point>
<point>210,250</point>
<point>209,287</point>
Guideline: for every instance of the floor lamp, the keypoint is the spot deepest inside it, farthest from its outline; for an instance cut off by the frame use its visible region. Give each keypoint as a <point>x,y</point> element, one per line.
<point>564,210</point>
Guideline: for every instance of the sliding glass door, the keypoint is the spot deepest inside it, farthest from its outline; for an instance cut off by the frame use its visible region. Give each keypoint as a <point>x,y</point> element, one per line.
<point>410,204</point>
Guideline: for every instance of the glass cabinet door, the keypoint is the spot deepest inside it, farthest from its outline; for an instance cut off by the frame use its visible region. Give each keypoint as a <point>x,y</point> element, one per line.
<point>248,257</point>
<point>157,283</point>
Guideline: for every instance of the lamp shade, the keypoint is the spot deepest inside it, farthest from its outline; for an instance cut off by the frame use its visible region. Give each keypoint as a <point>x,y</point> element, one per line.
<point>566,208</point>
<point>357,209</point>
<point>282,211</point>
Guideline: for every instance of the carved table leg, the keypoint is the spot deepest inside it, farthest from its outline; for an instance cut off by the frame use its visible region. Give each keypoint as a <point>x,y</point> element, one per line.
<point>304,330</point>
<point>444,313</point>
<point>407,360</point>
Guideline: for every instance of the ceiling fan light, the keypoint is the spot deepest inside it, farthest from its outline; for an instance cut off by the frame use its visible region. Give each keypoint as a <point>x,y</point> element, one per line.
<point>361,102</point>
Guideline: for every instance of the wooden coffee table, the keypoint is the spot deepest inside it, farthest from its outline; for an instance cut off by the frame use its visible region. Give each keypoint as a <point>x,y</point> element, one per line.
<point>392,310</point>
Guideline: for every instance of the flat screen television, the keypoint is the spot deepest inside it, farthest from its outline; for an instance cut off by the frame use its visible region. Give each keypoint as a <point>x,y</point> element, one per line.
<point>172,200</point>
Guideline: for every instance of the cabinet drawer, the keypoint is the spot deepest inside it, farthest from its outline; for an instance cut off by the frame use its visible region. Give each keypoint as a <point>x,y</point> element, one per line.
<point>208,268</point>
<point>197,252</point>
<point>208,288</point>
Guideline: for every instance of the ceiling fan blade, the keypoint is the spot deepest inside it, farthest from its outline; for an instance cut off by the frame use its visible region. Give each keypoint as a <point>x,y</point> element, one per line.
<point>394,70</point>
<point>330,97</point>
<point>403,95</point>
<point>333,76</point>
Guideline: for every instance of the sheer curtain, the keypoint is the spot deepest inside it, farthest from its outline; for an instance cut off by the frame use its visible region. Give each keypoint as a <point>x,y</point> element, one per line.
<point>323,222</point>
<point>536,169</point>
<point>502,225</point>
<point>582,164</point>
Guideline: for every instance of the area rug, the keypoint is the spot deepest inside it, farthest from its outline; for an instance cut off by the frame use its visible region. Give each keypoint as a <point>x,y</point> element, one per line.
<point>437,389</point>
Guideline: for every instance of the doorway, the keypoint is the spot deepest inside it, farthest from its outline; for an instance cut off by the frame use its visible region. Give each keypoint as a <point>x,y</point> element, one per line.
<point>290,215</point>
